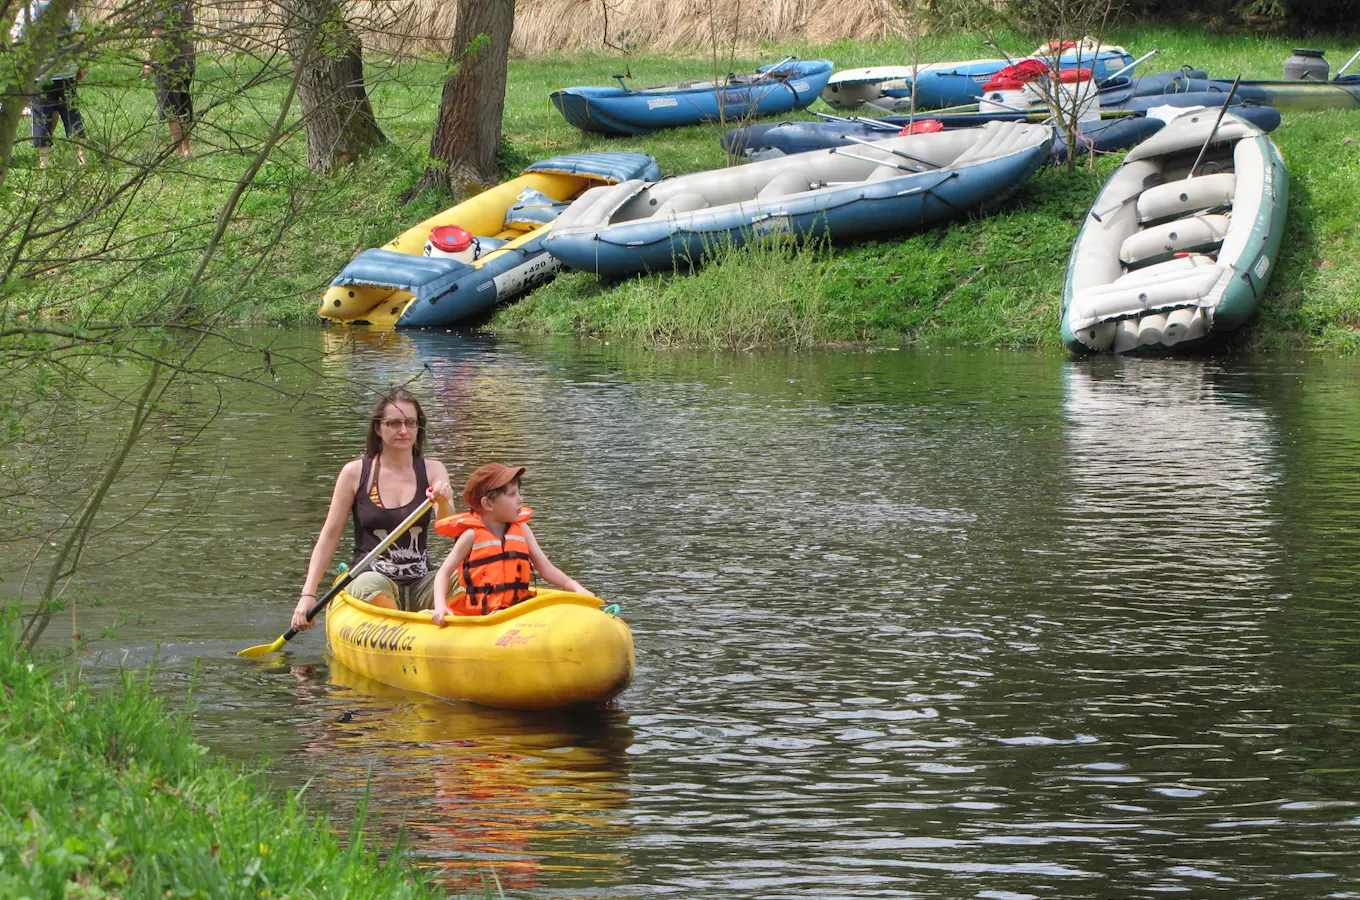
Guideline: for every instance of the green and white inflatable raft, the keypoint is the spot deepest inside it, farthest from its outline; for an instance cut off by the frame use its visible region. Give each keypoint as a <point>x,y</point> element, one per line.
<point>1166,260</point>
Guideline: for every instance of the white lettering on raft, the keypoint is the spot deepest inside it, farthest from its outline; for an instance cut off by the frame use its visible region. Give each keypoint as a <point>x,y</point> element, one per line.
<point>523,277</point>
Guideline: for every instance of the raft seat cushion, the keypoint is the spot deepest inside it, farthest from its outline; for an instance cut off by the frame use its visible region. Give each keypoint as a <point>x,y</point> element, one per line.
<point>1186,196</point>
<point>486,244</point>
<point>883,173</point>
<point>532,209</point>
<point>784,184</point>
<point>612,166</point>
<point>1162,271</point>
<point>1201,232</point>
<point>681,203</point>
<point>424,277</point>
<point>1179,282</point>
<point>596,205</point>
<point>996,139</point>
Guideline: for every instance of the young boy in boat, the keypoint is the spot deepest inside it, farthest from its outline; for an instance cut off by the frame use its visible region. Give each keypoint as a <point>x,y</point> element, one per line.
<point>493,550</point>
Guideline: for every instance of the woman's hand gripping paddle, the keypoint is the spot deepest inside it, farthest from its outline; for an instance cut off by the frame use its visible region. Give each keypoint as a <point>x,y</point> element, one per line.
<point>343,582</point>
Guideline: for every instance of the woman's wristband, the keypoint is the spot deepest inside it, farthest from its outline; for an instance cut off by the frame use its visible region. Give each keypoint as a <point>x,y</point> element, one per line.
<point>313,596</point>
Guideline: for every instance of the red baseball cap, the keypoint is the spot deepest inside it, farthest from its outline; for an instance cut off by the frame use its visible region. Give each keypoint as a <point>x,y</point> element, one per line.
<point>487,479</point>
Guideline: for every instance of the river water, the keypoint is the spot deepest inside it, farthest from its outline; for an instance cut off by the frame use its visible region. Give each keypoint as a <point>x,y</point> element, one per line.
<point>908,624</point>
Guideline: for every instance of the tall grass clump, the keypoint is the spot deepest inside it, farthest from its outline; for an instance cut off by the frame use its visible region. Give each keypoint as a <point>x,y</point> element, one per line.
<point>756,294</point>
<point>109,796</point>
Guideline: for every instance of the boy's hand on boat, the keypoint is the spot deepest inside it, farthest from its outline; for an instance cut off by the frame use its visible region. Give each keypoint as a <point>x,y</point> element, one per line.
<point>439,613</point>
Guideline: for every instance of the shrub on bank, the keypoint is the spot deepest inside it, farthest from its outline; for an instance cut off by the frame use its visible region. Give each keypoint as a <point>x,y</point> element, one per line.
<point>109,796</point>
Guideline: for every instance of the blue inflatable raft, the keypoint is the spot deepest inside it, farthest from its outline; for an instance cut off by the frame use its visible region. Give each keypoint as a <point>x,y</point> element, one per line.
<point>759,142</point>
<point>770,90</point>
<point>1340,93</point>
<point>890,185</point>
<point>1102,135</point>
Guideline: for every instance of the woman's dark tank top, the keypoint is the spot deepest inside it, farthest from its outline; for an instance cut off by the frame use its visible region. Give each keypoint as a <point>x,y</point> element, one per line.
<point>407,559</point>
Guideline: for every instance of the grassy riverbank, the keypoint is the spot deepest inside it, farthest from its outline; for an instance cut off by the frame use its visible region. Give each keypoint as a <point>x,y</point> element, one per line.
<point>991,281</point>
<point>108,796</point>
<point>985,282</point>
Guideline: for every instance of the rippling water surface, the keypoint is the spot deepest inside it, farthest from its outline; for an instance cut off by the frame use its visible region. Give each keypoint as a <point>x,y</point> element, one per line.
<point>959,624</point>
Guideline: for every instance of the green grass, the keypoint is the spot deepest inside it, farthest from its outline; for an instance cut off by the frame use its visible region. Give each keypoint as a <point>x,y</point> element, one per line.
<point>979,282</point>
<point>109,796</point>
<point>756,294</point>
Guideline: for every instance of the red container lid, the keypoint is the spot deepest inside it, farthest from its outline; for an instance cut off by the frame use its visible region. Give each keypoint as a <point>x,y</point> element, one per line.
<point>450,238</point>
<point>922,126</point>
<point>1003,84</point>
<point>1069,76</point>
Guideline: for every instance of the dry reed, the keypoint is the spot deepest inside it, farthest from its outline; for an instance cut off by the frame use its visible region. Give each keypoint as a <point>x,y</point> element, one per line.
<point>413,27</point>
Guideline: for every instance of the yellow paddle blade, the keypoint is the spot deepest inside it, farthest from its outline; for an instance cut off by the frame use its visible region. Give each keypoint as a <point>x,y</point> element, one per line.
<point>263,649</point>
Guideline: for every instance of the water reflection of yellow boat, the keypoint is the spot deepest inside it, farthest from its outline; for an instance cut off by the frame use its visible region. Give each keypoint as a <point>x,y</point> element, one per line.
<point>554,650</point>
<point>518,790</point>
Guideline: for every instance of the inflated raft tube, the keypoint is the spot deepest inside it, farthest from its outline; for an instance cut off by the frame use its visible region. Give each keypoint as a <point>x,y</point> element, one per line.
<point>901,182</point>
<point>770,90</point>
<point>410,283</point>
<point>1164,261</point>
<point>1287,96</point>
<point>555,650</point>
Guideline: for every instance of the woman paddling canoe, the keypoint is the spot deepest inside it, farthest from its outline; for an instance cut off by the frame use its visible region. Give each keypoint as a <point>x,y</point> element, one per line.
<point>379,490</point>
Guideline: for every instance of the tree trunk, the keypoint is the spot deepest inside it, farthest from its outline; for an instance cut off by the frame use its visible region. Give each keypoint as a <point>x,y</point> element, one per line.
<point>336,113</point>
<point>468,132</point>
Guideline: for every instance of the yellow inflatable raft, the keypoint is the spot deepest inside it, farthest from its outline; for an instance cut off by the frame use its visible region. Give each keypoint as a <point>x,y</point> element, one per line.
<point>407,284</point>
<point>557,649</point>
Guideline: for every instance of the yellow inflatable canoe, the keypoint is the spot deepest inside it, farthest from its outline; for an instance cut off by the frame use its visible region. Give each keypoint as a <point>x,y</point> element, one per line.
<point>557,649</point>
<point>397,284</point>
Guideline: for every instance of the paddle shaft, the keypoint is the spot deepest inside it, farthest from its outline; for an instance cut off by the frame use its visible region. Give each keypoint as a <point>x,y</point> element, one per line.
<point>363,564</point>
<point>771,70</point>
<point>1341,71</point>
<point>1217,122</point>
<point>877,162</point>
<point>908,156</point>
<point>859,120</point>
<point>760,76</point>
<point>1130,66</point>
<point>829,117</point>
<point>874,123</point>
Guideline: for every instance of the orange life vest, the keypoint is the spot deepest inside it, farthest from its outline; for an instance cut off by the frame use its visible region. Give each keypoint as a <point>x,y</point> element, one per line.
<point>496,572</point>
